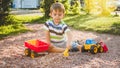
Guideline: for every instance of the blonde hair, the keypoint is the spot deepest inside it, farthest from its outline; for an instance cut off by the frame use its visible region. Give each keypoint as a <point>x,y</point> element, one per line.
<point>57,6</point>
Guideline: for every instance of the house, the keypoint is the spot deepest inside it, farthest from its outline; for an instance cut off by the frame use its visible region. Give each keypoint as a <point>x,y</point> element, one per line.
<point>26,4</point>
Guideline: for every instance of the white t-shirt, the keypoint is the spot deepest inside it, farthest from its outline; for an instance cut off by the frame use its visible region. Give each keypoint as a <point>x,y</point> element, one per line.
<point>57,32</point>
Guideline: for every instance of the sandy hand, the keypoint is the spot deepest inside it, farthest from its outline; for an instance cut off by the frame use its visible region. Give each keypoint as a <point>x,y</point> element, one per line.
<point>66,52</point>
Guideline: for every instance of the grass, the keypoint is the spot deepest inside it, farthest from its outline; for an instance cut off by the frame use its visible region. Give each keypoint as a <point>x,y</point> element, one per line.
<point>29,18</point>
<point>12,30</point>
<point>91,23</point>
<point>17,26</point>
<point>109,24</point>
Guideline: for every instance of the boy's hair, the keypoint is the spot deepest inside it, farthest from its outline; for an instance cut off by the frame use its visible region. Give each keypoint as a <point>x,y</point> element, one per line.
<point>57,6</point>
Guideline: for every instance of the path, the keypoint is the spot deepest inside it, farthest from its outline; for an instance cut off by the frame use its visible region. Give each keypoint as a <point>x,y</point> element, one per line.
<point>12,52</point>
<point>25,12</point>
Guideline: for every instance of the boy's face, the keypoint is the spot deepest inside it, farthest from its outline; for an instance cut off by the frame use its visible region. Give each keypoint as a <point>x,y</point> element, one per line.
<point>57,15</point>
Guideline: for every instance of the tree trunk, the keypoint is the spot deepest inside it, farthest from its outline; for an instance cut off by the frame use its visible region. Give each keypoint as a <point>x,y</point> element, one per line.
<point>4,11</point>
<point>47,5</point>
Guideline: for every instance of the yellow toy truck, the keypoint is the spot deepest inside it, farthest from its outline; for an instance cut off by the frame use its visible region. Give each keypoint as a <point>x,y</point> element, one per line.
<point>92,47</point>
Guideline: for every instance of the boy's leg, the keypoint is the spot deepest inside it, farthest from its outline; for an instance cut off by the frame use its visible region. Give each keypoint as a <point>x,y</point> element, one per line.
<point>55,49</point>
<point>79,47</point>
<point>75,46</point>
<point>75,49</point>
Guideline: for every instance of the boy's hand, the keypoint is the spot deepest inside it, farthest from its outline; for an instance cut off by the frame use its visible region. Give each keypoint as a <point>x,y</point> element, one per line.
<point>66,52</point>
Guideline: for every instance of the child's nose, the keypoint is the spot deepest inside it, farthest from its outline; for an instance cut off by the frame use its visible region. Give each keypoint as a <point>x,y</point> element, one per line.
<point>57,15</point>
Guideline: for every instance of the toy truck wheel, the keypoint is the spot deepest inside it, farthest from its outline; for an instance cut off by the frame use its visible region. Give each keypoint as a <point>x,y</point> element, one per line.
<point>33,54</point>
<point>83,49</point>
<point>100,49</point>
<point>93,49</point>
<point>27,52</point>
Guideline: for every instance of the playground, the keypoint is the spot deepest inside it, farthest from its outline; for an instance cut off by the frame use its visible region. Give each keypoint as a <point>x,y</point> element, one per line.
<point>87,19</point>
<point>12,52</point>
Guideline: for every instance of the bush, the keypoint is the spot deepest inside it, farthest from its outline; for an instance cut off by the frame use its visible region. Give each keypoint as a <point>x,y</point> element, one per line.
<point>4,11</point>
<point>66,5</point>
<point>75,8</point>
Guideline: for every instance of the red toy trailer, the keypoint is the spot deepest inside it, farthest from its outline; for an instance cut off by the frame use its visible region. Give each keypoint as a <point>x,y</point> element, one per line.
<point>104,46</point>
<point>33,47</point>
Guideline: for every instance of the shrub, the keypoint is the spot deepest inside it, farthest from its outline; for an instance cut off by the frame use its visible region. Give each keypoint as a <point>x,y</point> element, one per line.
<point>66,5</point>
<point>76,7</point>
<point>4,11</point>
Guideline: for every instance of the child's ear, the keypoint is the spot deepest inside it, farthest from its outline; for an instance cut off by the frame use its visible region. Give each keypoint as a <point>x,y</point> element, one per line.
<point>49,14</point>
<point>64,14</point>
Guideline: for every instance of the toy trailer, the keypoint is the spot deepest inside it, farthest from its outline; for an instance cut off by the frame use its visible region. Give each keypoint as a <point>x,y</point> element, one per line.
<point>33,47</point>
<point>104,46</point>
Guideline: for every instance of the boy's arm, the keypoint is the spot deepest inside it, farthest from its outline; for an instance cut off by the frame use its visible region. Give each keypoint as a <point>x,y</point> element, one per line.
<point>47,35</point>
<point>52,48</point>
<point>68,45</point>
<point>69,39</point>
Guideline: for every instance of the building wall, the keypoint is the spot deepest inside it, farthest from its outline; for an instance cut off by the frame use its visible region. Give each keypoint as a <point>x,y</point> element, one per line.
<point>16,4</point>
<point>25,3</point>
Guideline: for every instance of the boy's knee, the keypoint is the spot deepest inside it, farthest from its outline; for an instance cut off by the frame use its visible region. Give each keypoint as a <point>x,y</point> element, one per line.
<point>79,46</point>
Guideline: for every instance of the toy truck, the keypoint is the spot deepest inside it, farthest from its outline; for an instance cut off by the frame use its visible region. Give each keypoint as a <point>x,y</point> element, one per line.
<point>34,47</point>
<point>92,47</point>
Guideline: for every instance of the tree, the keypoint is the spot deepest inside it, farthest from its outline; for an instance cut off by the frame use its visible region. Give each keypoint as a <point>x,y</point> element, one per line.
<point>88,5</point>
<point>100,7</point>
<point>76,7</point>
<point>46,7</point>
<point>66,5</point>
<point>107,7</point>
<point>4,11</point>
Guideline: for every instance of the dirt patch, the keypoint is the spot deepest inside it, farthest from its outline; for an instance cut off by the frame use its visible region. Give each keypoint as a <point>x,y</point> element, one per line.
<point>12,52</point>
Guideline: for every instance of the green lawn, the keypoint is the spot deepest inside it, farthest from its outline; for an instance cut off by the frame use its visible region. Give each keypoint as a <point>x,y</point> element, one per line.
<point>28,18</point>
<point>17,24</point>
<point>12,30</point>
<point>91,23</point>
<point>80,22</point>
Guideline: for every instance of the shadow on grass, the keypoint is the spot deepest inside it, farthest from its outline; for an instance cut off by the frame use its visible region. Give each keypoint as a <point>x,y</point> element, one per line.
<point>113,29</point>
<point>79,19</point>
<point>76,20</point>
